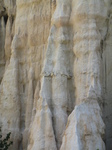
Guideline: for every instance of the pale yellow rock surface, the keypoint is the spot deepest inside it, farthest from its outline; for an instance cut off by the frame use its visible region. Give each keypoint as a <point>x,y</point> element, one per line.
<point>56,74</point>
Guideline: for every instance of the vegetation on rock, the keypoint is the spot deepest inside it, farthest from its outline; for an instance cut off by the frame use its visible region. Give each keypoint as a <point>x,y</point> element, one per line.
<point>5,143</point>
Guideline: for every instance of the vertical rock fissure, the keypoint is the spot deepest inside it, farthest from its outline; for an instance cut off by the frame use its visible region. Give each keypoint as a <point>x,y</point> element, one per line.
<point>107,71</point>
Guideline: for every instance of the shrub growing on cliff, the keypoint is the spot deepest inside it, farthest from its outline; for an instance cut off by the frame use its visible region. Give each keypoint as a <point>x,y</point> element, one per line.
<point>5,143</point>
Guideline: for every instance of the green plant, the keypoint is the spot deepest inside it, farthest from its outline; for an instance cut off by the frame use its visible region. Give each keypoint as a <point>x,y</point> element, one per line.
<point>5,143</point>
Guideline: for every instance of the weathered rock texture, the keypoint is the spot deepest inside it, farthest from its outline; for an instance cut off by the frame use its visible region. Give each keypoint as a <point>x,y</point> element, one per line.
<point>55,74</point>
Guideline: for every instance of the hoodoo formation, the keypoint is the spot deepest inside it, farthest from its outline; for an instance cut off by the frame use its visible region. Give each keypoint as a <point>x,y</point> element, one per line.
<point>56,74</point>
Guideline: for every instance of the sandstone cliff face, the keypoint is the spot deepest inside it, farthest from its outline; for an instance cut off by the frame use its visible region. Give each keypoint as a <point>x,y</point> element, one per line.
<point>55,74</point>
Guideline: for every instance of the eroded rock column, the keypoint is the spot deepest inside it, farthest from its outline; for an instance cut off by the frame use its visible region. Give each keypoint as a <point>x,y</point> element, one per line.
<point>85,125</point>
<point>9,100</point>
<point>55,90</point>
<point>61,70</point>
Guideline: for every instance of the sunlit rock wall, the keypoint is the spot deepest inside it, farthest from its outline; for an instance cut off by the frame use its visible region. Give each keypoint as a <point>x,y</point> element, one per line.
<point>55,74</point>
<point>20,86</point>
